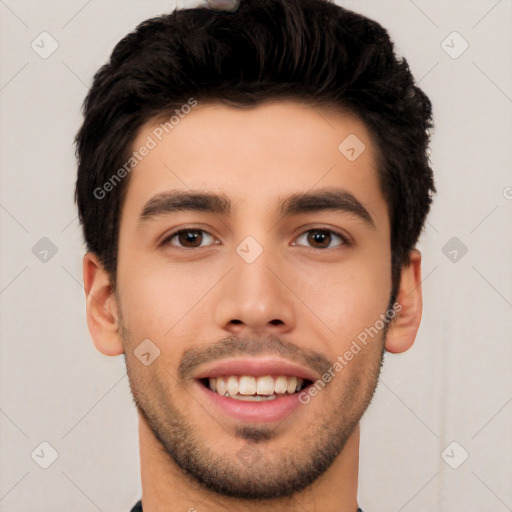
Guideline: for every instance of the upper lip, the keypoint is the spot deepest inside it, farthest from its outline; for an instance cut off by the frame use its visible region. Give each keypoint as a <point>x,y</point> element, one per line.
<point>256,367</point>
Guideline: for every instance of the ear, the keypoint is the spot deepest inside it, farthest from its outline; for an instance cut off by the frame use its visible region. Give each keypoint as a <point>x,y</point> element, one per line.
<point>404,327</point>
<point>101,307</point>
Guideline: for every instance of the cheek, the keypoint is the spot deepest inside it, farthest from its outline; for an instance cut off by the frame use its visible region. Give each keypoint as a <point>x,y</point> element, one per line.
<point>158,299</point>
<point>347,297</point>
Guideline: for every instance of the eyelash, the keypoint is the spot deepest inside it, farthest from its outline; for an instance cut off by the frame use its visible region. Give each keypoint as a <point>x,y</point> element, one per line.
<point>344,239</point>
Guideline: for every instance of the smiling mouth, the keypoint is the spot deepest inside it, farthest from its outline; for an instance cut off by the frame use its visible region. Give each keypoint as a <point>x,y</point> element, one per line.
<point>255,389</point>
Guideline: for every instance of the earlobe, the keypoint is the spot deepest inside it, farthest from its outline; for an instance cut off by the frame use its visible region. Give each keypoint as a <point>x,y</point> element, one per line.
<point>404,327</point>
<point>101,307</point>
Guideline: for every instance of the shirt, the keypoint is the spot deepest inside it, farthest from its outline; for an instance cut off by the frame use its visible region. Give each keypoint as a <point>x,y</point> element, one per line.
<point>138,508</point>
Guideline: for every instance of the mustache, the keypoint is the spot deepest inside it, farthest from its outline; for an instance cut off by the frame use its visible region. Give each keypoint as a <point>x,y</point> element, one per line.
<point>232,346</point>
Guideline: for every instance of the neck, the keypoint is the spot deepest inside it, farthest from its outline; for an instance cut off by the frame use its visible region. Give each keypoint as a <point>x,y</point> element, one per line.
<point>164,484</point>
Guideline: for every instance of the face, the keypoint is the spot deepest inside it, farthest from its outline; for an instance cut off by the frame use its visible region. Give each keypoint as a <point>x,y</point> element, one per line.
<point>253,252</point>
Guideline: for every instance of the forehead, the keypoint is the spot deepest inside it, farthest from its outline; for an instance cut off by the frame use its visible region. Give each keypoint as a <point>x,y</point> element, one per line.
<point>254,154</point>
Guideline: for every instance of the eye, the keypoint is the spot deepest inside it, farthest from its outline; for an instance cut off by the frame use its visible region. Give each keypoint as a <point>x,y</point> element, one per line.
<point>322,238</point>
<point>189,238</point>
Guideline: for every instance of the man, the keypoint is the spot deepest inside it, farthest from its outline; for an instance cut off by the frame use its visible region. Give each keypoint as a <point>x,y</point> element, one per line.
<point>252,182</point>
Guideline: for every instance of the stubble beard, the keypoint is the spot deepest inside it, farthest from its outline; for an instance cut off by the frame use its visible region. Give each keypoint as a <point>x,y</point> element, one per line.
<point>255,472</point>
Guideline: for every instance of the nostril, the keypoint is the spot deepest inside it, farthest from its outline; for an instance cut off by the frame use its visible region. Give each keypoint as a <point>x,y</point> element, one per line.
<point>276,322</point>
<point>236,322</point>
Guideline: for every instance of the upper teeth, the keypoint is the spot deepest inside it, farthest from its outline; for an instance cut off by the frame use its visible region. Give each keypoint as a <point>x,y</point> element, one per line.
<point>249,385</point>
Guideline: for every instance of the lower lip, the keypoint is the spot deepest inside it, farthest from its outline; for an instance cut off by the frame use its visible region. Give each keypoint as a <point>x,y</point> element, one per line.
<point>255,412</point>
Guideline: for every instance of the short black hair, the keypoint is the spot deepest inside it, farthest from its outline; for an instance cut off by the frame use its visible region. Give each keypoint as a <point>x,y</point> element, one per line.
<point>312,51</point>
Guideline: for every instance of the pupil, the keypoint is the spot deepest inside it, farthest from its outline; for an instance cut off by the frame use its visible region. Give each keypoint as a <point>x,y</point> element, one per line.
<point>321,237</point>
<point>189,237</point>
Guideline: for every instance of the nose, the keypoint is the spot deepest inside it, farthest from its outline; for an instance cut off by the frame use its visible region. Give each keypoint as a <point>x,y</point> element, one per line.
<point>256,299</point>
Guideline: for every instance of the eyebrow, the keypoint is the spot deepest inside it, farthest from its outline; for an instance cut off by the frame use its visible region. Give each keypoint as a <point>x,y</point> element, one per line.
<point>330,199</point>
<point>325,200</point>
<point>178,200</point>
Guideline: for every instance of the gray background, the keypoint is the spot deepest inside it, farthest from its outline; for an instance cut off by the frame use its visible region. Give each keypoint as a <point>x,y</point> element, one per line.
<point>454,385</point>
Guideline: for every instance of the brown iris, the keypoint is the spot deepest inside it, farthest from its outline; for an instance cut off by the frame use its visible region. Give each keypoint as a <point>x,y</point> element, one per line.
<point>321,237</point>
<point>190,236</point>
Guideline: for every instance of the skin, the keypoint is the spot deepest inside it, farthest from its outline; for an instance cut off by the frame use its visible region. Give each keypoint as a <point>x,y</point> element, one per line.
<point>317,297</point>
